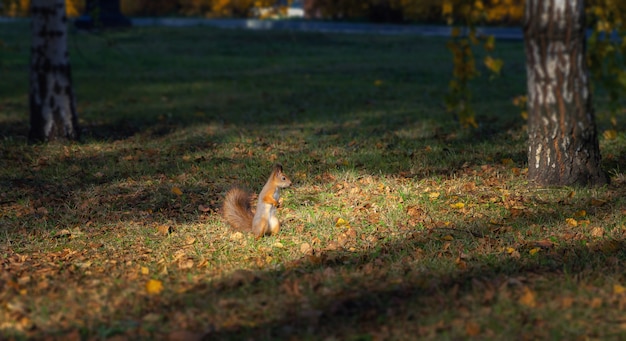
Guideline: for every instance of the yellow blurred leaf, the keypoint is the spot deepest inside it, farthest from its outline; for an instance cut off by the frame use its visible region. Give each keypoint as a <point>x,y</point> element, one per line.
<point>610,134</point>
<point>447,8</point>
<point>433,195</point>
<point>524,115</point>
<point>177,191</point>
<point>571,222</point>
<point>145,270</point>
<point>528,298</point>
<point>618,289</point>
<point>580,213</point>
<point>457,205</point>
<point>494,65</point>
<point>510,250</point>
<point>378,82</point>
<point>154,287</point>
<point>534,251</point>
<point>447,238</point>
<point>342,223</point>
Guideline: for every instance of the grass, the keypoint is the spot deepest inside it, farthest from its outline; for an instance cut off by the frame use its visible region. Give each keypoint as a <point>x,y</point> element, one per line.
<point>443,237</point>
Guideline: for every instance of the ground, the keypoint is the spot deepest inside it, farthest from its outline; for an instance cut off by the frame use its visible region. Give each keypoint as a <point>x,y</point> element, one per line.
<point>399,224</point>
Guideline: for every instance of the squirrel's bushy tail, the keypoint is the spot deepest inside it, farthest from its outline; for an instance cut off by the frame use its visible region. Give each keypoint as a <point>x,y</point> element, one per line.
<point>237,210</point>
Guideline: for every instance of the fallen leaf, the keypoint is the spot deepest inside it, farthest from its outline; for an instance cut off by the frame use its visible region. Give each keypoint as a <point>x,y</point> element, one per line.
<point>279,245</point>
<point>580,213</point>
<point>610,134</point>
<point>144,270</point>
<point>154,287</point>
<point>433,195</point>
<point>457,205</point>
<point>164,229</point>
<point>342,223</point>
<point>472,328</point>
<point>306,248</point>
<point>597,232</point>
<point>528,298</point>
<point>177,191</point>
<point>597,202</point>
<point>571,222</point>
<point>534,251</point>
<point>203,208</point>
<point>618,289</point>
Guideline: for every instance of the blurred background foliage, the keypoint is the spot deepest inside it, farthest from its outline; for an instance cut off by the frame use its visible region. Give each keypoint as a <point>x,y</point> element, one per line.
<point>508,12</point>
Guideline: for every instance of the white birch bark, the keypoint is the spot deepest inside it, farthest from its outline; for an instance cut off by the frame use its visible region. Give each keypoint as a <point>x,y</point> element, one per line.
<point>563,142</point>
<point>52,108</point>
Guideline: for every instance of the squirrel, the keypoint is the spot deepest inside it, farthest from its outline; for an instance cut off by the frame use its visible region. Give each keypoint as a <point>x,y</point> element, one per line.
<point>238,211</point>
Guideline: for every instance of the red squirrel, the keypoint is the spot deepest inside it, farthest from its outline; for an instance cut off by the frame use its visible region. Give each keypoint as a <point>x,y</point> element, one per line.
<point>239,215</point>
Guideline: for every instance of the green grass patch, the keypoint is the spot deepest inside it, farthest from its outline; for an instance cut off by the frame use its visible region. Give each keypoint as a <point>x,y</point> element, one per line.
<point>445,238</point>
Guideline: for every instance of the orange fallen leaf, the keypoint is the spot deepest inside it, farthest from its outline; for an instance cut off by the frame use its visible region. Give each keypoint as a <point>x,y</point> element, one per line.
<point>472,328</point>
<point>534,251</point>
<point>571,222</point>
<point>618,289</point>
<point>154,287</point>
<point>177,191</point>
<point>528,298</point>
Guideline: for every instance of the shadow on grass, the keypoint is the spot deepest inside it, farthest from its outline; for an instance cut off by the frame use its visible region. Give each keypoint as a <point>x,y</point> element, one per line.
<point>371,298</point>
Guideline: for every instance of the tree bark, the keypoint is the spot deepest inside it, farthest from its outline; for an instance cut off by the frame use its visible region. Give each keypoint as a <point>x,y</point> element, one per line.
<point>563,139</point>
<point>52,107</point>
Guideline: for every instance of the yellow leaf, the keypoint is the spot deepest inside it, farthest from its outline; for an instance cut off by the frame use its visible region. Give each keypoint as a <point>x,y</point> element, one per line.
<point>457,205</point>
<point>433,195</point>
<point>571,222</point>
<point>145,270</point>
<point>342,223</point>
<point>378,82</point>
<point>528,298</point>
<point>618,289</point>
<point>524,115</point>
<point>446,8</point>
<point>447,238</point>
<point>494,65</point>
<point>534,251</point>
<point>510,250</point>
<point>177,191</point>
<point>610,134</point>
<point>580,213</point>
<point>154,287</point>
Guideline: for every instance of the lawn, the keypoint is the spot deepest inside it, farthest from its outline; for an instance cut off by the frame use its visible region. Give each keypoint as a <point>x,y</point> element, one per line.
<point>399,224</point>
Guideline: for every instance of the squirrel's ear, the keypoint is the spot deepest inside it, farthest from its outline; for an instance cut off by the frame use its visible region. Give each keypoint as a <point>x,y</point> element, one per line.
<point>278,167</point>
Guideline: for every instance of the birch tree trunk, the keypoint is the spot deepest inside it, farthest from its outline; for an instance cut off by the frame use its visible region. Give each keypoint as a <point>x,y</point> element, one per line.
<point>52,108</point>
<point>563,141</point>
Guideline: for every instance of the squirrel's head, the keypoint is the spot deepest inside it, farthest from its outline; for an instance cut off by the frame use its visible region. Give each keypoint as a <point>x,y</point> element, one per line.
<point>281,179</point>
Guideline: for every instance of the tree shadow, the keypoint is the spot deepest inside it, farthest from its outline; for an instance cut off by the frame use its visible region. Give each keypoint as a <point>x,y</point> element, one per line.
<point>368,300</point>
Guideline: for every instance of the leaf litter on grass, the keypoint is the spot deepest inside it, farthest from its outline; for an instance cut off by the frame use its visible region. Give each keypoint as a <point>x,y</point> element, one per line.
<point>384,235</point>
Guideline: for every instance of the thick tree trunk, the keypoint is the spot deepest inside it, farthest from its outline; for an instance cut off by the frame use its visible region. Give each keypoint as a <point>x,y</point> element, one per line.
<point>52,108</point>
<point>561,124</point>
